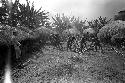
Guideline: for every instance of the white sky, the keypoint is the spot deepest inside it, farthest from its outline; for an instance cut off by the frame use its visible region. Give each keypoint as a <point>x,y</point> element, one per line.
<point>81,8</point>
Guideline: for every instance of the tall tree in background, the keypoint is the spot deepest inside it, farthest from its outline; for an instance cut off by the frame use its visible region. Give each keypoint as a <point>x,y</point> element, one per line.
<point>62,22</point>
<point>98,23</point>
<point>17,22</point>
<point>22,14</point>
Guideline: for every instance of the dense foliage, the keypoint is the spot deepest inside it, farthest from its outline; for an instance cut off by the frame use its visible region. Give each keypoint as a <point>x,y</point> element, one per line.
<point>18,21</point>
<point>98,23</point>
<point>24,28</point>
<point>108,31</point>
<point>22,14</point>
<point>64,22</point>
<point>17,24</point>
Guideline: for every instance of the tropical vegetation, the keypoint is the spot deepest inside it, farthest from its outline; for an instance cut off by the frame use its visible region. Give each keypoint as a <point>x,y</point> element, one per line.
<point>30,40</point>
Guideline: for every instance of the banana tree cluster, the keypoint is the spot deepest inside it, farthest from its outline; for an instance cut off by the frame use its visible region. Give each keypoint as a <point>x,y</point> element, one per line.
<point>16,14</point>
<point>99,23</point>
<point>62,22</point>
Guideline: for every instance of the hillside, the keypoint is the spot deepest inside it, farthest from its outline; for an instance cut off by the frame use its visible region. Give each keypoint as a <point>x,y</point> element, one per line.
<point>54,66</point>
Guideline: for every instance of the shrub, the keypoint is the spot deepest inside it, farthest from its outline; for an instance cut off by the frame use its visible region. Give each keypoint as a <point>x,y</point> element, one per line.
<point>98,23</point>
<point>108,31</point>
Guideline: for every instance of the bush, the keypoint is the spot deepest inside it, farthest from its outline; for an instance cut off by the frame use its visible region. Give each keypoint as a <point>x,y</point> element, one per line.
<point>108,31</point>
<point>98,23</point>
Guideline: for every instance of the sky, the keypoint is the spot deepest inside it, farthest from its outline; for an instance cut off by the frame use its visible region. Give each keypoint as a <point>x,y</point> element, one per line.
<point>89,9</point>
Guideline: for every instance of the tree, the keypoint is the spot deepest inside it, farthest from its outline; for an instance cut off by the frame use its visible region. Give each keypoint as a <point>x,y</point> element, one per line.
<point>17,22</point>
<point>64,22</point>
<point>98,23</point>
<point>22,15</point>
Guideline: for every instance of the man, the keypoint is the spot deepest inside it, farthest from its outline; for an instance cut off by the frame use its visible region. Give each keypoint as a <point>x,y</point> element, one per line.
<point>16,45</point>
<point>96,43</point>
<point>71,40</point>
<point>56,41</point>
<point>83,43</point>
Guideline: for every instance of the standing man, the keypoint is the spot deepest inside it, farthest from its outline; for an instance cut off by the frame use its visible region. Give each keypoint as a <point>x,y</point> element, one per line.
<point>71,40</point>
<point>16,45</point>
<point>96,43</point>
<point>83,42</point>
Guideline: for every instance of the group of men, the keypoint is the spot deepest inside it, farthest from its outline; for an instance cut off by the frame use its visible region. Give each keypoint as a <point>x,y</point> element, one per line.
<point>83,43</point>
<point>94,43</point>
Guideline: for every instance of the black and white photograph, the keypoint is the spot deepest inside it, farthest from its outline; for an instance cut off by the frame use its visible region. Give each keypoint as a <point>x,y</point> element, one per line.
<point>62,41</point>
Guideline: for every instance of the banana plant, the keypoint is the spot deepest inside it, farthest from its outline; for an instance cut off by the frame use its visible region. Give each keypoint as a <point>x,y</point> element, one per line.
<point>98,23</point>
<point>22,14</point>
<point>63,22</point>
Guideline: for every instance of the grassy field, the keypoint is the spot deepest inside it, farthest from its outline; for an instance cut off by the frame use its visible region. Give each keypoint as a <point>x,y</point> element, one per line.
<point>54,66</point>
